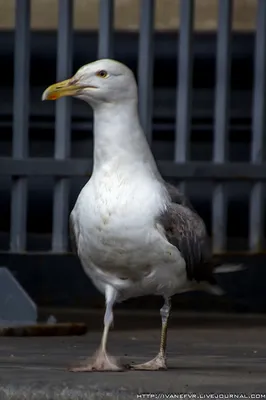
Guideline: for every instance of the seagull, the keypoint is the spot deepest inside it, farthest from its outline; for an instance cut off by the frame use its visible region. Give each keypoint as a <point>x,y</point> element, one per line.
<point>134,233</point>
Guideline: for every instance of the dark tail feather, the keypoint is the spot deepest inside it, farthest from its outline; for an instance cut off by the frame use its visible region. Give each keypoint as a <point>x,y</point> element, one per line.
<point>213,287</point>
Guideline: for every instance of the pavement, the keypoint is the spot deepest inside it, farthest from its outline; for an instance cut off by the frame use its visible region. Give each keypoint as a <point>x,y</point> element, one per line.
<point>201,360</point>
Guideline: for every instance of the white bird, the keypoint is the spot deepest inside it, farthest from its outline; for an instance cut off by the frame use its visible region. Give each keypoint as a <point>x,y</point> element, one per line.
<point>134,234</point>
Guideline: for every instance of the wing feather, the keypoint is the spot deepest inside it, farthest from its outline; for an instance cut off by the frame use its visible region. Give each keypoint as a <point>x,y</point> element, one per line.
<point>185,229</point>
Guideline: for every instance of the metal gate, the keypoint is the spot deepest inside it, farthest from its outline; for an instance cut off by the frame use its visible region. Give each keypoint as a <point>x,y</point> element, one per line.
<point>62,167</point>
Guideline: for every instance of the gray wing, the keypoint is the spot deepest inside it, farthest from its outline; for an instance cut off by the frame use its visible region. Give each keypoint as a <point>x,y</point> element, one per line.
<point>178,197</point>
<point>72,234</point>
<point>186,230</point>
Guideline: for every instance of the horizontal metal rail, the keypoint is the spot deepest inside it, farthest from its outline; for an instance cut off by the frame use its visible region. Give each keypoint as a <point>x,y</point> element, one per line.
<point>80,167</point>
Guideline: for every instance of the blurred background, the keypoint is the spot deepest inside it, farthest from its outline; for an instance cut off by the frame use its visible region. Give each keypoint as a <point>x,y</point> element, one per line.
<point>200,66</point>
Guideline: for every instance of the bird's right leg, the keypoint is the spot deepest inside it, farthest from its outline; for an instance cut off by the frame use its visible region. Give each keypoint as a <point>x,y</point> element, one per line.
<point>102,361</point>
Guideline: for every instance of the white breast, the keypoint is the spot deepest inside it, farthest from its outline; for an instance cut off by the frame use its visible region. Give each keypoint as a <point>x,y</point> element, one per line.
<point>117,240</point>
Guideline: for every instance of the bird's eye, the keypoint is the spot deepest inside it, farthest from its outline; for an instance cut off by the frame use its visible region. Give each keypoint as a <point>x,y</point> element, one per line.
<point>102,74</point>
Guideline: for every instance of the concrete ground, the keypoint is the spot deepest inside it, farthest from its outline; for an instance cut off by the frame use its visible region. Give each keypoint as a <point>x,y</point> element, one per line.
<point>201,360</point>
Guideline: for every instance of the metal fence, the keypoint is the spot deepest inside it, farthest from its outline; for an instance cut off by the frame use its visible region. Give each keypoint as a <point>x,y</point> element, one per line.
<point>62,167</point>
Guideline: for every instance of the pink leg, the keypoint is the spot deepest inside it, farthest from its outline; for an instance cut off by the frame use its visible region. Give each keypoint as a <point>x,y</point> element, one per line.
<point>102,361</point>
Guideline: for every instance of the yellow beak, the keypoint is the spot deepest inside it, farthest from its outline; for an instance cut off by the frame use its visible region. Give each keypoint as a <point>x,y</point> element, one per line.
<point>61,89</point>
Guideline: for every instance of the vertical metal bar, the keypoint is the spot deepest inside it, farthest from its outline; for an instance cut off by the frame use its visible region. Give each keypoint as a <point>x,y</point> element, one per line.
<point>223,58</point>
<point>256,224</point>
<point>183,101</point>
<point>62,126</point>
<point>106,17</point>
<point>183,104</point>
<point>145,66</point>
<point>20,124</point>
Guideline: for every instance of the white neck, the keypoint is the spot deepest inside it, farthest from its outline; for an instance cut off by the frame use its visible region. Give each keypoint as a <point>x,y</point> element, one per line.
<point>118,136</point>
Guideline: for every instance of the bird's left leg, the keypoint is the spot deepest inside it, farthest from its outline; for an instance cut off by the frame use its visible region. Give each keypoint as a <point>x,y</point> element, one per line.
<point>159,362</point>
<point>102,361</point>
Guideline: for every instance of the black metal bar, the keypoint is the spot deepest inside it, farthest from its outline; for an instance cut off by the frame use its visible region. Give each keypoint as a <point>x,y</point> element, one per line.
<point>257,208</point>
<point>80,167</point>
<point>223,58</point>
<point>183,106</point>
<point>62,126</point>
<point>145,66</point>
<point>183,99</point>
<point>18,232</point>
<point>106,16</point>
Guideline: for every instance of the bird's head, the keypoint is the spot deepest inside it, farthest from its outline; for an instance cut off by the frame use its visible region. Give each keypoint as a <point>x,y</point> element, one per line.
<point>100,81</point>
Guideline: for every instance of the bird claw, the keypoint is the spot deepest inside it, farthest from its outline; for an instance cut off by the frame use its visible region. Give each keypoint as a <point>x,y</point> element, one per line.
<point>156,364</point>
<point>102,362</point>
